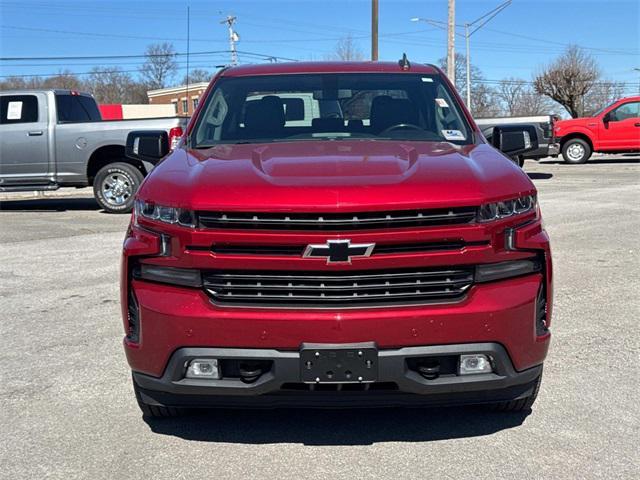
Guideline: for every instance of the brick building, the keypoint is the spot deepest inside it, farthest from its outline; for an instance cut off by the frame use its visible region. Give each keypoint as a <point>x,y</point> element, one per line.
<point>178,97</point>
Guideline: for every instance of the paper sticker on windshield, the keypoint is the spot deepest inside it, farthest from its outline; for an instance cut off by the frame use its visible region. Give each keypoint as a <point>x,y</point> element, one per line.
<point>453,135</point>
<point>427,79</point>
<point>442,103</point>
<point>14,111</point>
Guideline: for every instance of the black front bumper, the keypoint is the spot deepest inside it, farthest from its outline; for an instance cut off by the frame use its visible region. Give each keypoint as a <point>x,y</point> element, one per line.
<point>397,384</point>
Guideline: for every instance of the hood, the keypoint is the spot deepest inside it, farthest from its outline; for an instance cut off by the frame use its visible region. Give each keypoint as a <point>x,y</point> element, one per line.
<point>572,122</point>
<point>334,176</point>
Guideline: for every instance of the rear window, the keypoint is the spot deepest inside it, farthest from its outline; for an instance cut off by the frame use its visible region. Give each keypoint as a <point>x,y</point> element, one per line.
<point>376,106</point>
<point>18,109</point>
<point>77,108</point>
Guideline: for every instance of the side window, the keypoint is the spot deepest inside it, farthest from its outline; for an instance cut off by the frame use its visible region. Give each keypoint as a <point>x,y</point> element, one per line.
<point>76,108</point>
<point>626,111</point>
<point>213,117</point>
<point>18,109</point>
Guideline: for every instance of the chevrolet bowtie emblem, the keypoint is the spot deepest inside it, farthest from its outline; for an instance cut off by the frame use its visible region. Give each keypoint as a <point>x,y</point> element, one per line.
<point>338,251</point>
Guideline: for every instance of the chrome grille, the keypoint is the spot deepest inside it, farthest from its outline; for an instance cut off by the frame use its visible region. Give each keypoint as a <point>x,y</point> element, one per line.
<point>336,221</point>
<point>336,289</point>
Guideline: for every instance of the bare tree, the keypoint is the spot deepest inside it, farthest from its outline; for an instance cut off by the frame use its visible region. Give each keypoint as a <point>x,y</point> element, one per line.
<point>603,94</point>
<point>569,79</point>
<point>115,86</point>
<point>484,102</point>
<point>160,65</point>
<point>197,75</point>
<point>346,50</point>
<point>520,100</point>
<point>13,83</point>
<point>108,86</point>
<point>511,92</point>
<point>65,79</point>
<point>461,72</point>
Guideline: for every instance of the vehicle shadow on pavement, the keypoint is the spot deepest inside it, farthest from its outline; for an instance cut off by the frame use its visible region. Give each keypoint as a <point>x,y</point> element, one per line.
<point>337,427</point>
<point>539,175</point>
<point>49,204</point>
<point>595,161</point>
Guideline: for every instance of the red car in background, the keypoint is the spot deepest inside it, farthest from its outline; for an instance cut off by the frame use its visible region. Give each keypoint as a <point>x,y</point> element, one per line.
<point>614,129</point>
<point>331,234</point>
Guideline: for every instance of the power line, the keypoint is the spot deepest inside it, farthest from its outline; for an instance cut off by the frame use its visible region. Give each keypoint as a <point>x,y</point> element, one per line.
<point>484,46</point>
<point>113,57</point>
<point>527,37</point>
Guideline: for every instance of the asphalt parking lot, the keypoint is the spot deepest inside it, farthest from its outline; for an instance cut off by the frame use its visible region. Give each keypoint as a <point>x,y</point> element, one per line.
<point>68,409</point>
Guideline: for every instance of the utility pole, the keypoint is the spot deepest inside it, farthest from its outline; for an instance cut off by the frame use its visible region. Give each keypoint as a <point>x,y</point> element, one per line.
<point>477,24</point>
<point>233,38</point>
<point>451,39</point>
<point>468,55</point>
<point>374,30</point>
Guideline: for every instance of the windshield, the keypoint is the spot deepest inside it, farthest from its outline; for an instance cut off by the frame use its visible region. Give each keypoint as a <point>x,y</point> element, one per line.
<point>378,106</point>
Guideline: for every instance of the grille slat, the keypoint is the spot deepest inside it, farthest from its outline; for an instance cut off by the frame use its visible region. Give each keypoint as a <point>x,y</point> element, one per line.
<point>336,221</point>
<point>330,290</point>
<point>297,250</point>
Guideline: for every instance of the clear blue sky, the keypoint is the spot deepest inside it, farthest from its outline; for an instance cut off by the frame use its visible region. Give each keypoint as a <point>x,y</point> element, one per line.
<point>516,43</point>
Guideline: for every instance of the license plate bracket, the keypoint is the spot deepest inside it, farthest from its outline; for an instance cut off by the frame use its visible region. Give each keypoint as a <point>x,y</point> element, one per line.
<point>339,363</point>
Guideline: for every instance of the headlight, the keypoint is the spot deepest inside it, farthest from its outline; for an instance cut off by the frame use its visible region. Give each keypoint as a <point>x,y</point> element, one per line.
<point>507,208</point>
<point>163,214</point>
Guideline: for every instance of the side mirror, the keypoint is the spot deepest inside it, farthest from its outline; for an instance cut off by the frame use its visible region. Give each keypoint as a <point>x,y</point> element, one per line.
<point>515,139</point>
<point>147,145</point>
<point>607,118</point>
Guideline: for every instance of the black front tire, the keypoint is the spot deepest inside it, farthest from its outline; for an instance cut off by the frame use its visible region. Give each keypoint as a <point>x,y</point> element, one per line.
<point>156,411</point>
<point>576,151</point>
<point>126,177</point>
<point>521,404</point>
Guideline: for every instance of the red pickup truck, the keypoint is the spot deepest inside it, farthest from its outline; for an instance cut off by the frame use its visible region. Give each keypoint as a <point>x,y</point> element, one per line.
<point>613,129</point>
<point>331,234</point>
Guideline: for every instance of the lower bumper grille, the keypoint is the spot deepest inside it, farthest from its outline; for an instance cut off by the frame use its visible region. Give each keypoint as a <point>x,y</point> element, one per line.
<point>337,289</point>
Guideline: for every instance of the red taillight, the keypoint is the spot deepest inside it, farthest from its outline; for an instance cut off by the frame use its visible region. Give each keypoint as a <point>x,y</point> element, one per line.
<point>175,134</point>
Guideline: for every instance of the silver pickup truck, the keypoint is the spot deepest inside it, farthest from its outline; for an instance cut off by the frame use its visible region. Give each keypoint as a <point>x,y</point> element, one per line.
<point>57,138</point>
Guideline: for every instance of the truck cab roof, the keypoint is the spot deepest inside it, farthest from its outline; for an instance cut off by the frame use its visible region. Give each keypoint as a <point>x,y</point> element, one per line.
<point>55,91</point>
<point>328,67</point>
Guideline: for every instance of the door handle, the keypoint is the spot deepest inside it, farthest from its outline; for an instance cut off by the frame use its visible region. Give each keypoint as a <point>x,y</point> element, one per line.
<point>637,124</point>
<point>35,133</point>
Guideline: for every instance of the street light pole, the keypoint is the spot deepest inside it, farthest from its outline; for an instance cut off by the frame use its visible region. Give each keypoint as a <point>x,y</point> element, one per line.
<point>482,21</point>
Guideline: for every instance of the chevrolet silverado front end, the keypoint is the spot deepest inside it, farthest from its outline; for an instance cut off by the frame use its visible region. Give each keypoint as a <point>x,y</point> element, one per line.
<point>379,253</point>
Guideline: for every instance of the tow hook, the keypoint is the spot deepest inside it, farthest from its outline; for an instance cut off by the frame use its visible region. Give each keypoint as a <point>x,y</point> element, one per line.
<point>430,370</point>
<point>249,373</point>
